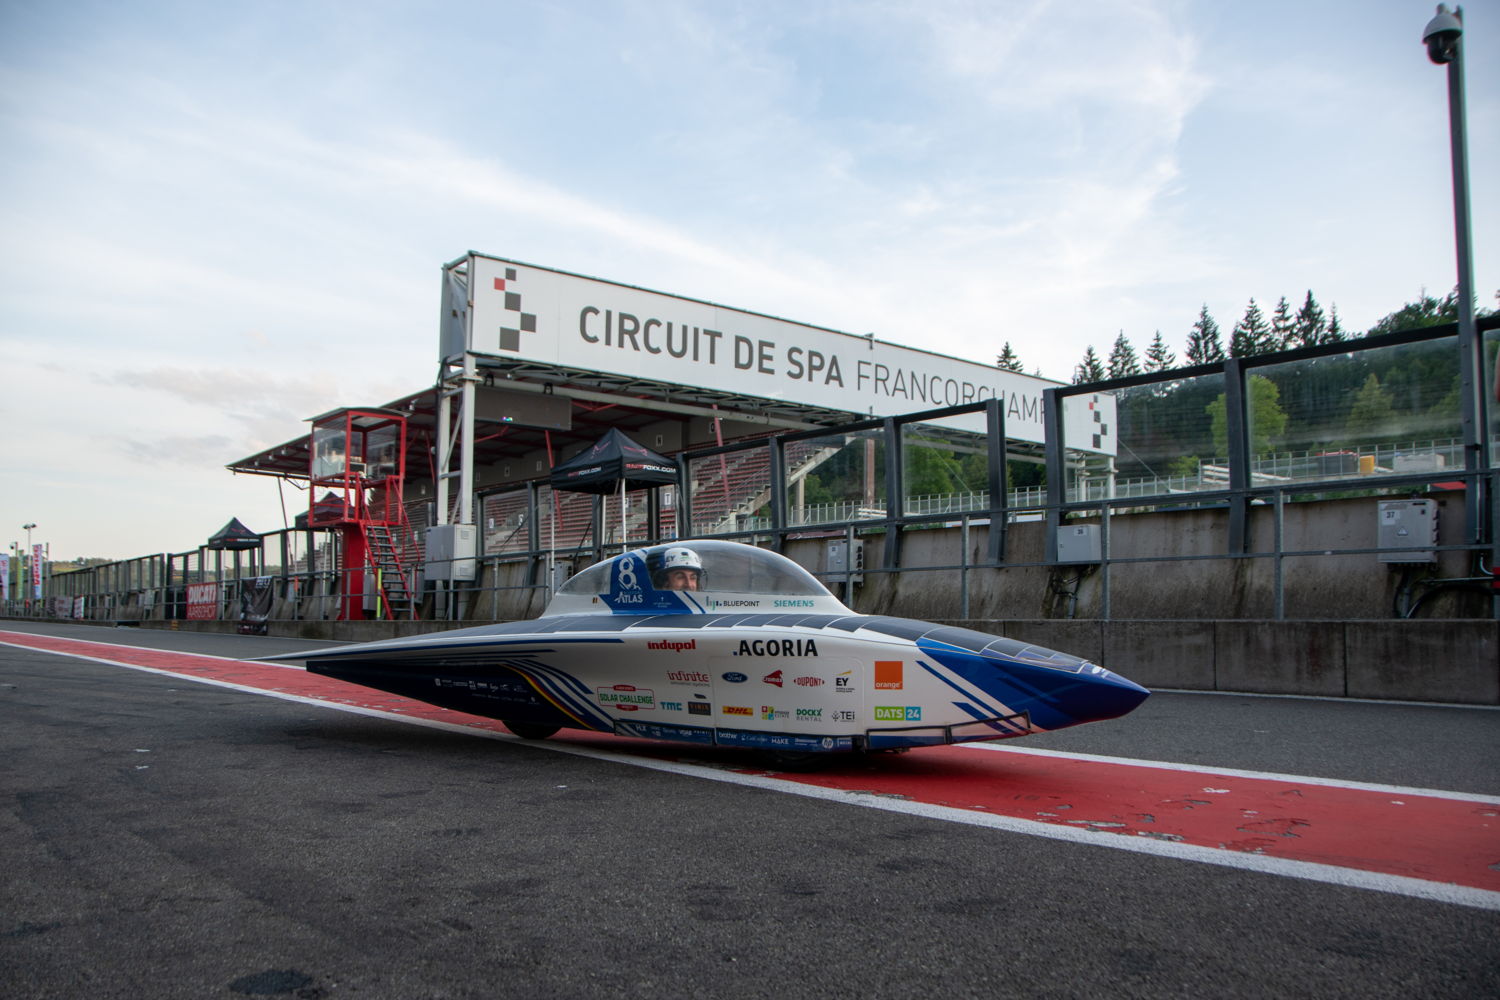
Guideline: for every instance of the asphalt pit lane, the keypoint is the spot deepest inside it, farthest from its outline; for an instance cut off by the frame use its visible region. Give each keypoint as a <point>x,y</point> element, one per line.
<point>272,982</point>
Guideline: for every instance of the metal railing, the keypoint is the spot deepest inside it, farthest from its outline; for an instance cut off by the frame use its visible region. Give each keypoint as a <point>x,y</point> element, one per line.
<point>863,464</point>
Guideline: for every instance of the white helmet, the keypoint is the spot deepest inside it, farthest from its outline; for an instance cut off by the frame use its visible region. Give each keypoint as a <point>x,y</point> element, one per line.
<point>681,559</point>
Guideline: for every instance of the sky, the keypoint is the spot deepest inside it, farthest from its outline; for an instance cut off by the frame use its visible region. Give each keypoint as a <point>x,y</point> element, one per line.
<point>220,220</point>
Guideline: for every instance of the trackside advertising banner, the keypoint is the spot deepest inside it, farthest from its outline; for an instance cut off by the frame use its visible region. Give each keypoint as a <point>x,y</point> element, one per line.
<point>537,314</point>
<point>202,601</point>
<point>255,605</point>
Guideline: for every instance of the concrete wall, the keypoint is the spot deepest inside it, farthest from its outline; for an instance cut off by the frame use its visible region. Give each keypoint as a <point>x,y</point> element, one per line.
<point>1187,575</point>
<point>1441,661</point>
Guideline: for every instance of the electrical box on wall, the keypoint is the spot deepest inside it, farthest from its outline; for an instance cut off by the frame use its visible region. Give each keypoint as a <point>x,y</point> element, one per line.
<point>1078,543</point>
<point>451,549</point>
<point>1410,528</point>
<point>841,560</point>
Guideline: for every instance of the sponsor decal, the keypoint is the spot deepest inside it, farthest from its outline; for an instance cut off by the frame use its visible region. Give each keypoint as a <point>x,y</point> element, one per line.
<point>745,738</point>
<point>665,731</point>
<point>515,692</point>
<point>777,647</point>
<point>772,712</point>
<point>700,708</point>
<point>735,677</point>
<point>688,677</point>
<point>844,682</point>
<point>842,715</point>
<point>773,678</point>
<point>671,706</point>
<point>737,710</point>
<point>809,715</point>
<point>888,675</point>
<point>898,713</point>
<point>626,697</point>
<point>674,645</point>
<point>796,604</point>
<point>808,682</point>
<point>715,604</point>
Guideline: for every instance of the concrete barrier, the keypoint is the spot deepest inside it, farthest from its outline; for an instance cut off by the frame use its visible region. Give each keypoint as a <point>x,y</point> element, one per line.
<point>1451,661</point>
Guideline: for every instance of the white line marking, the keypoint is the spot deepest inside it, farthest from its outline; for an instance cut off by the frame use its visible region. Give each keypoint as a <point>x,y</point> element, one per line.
<point>121,645</point>
<point>1351,878</point>
<point>1338,699</point>
<point>1229,772</point>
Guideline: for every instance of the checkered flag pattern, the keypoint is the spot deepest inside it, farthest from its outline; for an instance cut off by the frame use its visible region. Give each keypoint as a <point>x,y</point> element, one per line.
<point>515,322</point>
<point>1101,429</point>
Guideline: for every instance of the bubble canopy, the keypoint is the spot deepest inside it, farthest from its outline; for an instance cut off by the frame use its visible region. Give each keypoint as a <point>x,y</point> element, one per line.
<point>727,566</point>
<point>635,582</point>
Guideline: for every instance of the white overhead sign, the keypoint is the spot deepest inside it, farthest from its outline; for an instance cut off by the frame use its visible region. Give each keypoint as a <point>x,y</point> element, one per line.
<point>531,313</point>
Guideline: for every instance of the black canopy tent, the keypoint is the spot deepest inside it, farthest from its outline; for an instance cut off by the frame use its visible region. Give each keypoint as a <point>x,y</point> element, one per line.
<point>614,462</point>
<point>234,536</point>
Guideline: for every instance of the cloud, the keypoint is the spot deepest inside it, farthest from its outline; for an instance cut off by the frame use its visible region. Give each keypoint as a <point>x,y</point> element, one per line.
<point>227,388</point>
<point>220,227</point>
<point>200,451</point>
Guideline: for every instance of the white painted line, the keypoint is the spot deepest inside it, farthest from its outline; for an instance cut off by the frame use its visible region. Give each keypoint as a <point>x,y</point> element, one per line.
<point>1335,698</point>
<point>1229,772</point>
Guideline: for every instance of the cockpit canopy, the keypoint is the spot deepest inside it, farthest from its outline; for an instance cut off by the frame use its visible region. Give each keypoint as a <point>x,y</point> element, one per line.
<point>729,576</point>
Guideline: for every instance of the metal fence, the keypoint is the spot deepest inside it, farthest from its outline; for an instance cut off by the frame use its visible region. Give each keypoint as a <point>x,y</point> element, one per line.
<point>1376,417</point>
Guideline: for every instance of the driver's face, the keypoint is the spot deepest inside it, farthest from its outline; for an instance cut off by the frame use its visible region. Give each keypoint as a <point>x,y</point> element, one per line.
<point>682,579</point>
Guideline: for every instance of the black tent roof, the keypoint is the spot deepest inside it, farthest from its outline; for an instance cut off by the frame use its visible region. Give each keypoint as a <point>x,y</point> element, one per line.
<point>233,535</point>
<point>329,502</point>
<point>615,457</point>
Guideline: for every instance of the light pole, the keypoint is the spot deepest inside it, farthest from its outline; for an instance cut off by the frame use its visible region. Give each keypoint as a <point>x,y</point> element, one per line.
<point>1444,39</point>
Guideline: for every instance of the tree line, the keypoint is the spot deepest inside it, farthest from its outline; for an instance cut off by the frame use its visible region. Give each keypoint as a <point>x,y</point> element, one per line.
<point>1327,404</point>
<point>1255,333</point>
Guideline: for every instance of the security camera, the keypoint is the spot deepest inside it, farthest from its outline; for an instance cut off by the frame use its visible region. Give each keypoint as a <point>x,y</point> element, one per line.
<point>1443,33</point>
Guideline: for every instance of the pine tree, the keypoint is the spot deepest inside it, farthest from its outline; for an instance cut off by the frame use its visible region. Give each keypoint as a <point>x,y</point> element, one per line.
<point>1090,369</point>
<point>1008,360</point>
<point>1203,343</point>
<point>1251,334</point>
<point>1158,358</point>
<point>1122,359</point>
<point>1282,326</point>
<point>1310,328</point>
<point>1335,332</point>
<point>1371,415</point>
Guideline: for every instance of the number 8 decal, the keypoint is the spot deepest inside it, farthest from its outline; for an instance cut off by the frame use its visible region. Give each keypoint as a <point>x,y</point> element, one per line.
<point>627,575</point>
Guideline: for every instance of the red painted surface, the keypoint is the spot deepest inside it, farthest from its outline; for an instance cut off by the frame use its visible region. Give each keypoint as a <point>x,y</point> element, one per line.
<point>1430,837</point>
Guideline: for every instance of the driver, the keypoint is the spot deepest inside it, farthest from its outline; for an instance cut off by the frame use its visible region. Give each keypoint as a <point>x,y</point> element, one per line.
<point>681,569</point>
